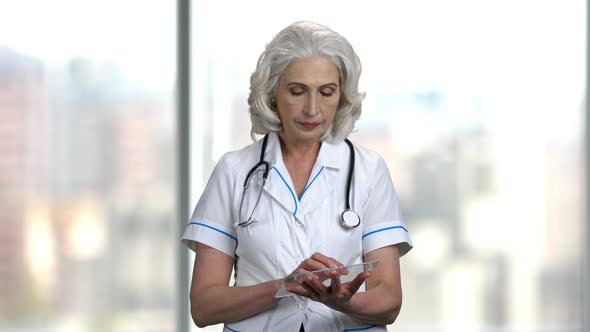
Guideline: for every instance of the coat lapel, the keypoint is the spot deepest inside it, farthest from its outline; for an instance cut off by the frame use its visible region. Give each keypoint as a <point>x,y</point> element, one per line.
<point>280,188</point>
<point>319,188</point>
<point>279,185</point>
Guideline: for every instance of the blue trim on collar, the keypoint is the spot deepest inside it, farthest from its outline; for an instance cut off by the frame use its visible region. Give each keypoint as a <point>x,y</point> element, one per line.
<point>290,190</point>
<point>309,185</point>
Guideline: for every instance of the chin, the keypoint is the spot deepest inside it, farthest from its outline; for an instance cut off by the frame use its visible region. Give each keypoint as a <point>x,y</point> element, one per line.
<point>314,135</point>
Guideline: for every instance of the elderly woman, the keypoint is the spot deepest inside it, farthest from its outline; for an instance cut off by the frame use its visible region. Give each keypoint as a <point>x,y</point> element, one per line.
<point>301,199</point>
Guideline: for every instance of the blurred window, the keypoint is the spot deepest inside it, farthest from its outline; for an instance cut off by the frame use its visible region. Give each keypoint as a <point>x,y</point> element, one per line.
<point>87,173</point>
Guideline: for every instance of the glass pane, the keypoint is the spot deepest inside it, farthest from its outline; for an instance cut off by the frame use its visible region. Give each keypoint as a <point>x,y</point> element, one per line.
<point>87,168</point>
<point>477,108</point>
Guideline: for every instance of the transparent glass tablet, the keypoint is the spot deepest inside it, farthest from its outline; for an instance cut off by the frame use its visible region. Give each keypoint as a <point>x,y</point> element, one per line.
<point>349,272</point>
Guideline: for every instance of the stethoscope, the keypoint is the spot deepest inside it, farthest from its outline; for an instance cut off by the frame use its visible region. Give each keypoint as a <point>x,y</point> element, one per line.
<point>348,219</point>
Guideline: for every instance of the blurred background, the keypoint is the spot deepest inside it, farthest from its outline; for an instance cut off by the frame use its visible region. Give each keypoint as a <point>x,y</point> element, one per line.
<point>478,108</point>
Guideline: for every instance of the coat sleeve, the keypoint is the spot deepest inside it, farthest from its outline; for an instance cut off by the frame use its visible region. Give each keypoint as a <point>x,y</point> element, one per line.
<point>382,221</point>
<point>212,220</point>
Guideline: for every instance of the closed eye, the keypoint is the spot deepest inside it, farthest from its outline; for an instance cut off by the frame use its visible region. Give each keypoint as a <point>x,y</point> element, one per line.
<point>327,92</point>
<point>298,91</point>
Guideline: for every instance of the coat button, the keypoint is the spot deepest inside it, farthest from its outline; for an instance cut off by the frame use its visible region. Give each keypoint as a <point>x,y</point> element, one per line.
<point>301,305</point>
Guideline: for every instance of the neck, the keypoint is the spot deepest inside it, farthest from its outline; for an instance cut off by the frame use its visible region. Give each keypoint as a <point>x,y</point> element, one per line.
<point>299,150</point>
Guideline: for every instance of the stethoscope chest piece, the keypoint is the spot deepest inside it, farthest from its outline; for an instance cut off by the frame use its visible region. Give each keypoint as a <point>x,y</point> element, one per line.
<point>350,219</point>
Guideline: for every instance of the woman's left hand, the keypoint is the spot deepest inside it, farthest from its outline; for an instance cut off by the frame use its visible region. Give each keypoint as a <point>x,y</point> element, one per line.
<point>335,296</point>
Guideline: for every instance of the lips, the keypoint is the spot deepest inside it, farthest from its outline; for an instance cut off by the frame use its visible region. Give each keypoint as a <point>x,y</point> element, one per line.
<point>309,125</point>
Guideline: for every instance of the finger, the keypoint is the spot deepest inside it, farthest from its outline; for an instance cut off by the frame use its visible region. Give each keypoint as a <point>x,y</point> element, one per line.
<point>343,271</point>
<point>300,269</point>
<point>311,290</point>
<point>312,295</point>
<point>311,264</point>
<point>327,261</point>
<point>356,283</point>
<point>335,285</point>
<point>300,288</point>
<point>318,287</point>
<point>334,274</point>
<point>301,292</point>
<point>325,275</point>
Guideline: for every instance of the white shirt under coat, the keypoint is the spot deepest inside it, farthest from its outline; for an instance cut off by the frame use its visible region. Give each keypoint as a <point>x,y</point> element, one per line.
<point>289,229</point>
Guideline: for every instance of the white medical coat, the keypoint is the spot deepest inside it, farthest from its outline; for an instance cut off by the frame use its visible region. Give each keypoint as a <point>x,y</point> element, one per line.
<point>289,229</point>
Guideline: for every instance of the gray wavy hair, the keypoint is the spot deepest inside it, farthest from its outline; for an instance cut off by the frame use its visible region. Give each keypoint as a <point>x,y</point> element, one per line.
<point>297,41</point>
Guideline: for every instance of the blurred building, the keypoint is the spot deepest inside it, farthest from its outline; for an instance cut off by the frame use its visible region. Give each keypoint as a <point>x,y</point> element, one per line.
<point>22,96</point>
<point>86,185</point>
<point>486,217</point>
<point>115,174</point>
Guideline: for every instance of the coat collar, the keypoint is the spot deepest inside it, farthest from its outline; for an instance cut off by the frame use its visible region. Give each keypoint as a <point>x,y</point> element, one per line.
<point>332,160</point>
<point>330,155</point>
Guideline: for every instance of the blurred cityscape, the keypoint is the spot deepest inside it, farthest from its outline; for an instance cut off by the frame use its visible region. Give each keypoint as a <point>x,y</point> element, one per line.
<point>487,258</point>
<point>86,199</point>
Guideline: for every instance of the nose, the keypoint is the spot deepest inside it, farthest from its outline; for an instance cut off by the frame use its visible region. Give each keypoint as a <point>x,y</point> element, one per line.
<point>312,107</point>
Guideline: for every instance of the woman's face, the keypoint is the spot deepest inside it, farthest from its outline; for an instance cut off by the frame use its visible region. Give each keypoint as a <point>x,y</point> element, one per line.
<point>307,98</point>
